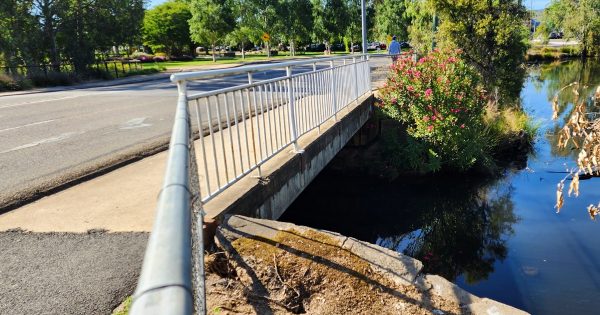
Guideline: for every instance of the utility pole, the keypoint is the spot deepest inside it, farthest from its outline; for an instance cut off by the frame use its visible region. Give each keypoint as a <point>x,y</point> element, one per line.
<point>363,11</point>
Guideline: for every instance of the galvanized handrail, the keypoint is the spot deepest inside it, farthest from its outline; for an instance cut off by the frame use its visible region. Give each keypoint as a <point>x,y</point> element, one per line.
<point>268,116</point>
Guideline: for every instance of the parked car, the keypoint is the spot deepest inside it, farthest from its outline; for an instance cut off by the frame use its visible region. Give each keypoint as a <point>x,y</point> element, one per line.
<point>555,35</point>
<point>404,45</point>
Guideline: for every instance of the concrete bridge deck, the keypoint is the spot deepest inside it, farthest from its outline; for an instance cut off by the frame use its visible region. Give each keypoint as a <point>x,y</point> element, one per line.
<point>125,199</point>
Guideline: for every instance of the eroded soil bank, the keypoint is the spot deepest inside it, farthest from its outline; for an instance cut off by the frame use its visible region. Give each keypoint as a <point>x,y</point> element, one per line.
<point>269,267</point>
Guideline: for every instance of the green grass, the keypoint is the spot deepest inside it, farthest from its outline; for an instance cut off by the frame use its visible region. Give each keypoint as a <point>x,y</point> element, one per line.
<point>206,60</point>
<point>123,309</point>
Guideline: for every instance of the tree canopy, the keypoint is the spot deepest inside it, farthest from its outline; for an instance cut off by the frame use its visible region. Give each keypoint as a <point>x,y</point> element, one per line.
<point>166,28</point>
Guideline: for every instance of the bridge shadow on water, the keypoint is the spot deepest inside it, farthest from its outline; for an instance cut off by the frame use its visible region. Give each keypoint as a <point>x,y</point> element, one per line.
<point>456,225</point>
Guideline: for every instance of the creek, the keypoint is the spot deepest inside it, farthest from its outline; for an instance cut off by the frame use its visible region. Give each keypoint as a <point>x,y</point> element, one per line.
<point>495,237</point>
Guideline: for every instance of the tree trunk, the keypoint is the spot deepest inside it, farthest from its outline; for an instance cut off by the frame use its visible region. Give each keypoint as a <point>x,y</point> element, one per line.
<point>268,50</point>
<point>213,53</point>
<point>243,52</point>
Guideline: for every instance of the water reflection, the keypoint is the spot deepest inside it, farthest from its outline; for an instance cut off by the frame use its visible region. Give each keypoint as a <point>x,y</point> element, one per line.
<point>498,238</point>
<point>454,225</point>
<point>553,77</point>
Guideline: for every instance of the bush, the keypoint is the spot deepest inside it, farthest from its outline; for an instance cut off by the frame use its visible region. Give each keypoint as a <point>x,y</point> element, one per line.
<point>441,102</point>
<point>53,79</point>
<point>14,83</point>
<point>143,57</point>
<point>182,58</point>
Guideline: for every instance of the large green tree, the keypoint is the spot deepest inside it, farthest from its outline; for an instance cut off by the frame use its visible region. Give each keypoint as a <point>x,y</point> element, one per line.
<point>579,19</point>
<point>391,19</point>
<point>166,28</point>
<point>211,21</point>
<point>331,20</point>
<point>295,23</point>
<point>493,35</point>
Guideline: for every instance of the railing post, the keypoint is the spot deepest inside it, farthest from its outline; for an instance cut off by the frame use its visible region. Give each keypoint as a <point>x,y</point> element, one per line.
<point>368,65</point>
<point>333,90</point>
<point>292,110</point>
<point>250,81</point>
<point>355,80</point>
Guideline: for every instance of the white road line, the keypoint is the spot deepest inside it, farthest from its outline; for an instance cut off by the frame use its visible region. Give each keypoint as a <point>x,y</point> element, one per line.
<point>27,125</point>
<point>96,93</point>
<point>47,140</point>
<point>40,101</point>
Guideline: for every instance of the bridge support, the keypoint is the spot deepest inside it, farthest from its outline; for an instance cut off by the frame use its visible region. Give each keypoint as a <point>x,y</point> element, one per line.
<point>288,175</point>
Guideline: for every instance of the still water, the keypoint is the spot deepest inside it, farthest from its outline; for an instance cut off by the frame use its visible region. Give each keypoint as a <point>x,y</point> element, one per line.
<point>499,238</point>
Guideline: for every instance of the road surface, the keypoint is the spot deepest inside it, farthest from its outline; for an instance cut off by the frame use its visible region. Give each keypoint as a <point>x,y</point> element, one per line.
<point>49,139</point>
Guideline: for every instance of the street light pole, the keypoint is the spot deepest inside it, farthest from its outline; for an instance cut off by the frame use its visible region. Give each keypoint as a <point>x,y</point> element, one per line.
<point>363,11</point>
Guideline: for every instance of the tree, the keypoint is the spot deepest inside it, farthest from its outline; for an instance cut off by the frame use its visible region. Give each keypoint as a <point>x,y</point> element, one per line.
<point>493,36</point>
<point>420,30</point>
<point>241,36</point>
<point>353,33</point>
<point>391,19</point>
<point>262,15</point>
<point>579,19</point>
<point>211,21</point>
<point>296,21</point>
<point>330,20</point>
<point>166,28</point>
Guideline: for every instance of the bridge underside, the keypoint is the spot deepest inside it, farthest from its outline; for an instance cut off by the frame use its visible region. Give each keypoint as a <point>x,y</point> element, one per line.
<point>286,175</point>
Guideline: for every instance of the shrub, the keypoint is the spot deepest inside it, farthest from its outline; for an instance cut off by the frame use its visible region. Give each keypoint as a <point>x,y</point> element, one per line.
<point>441,102</point>
<point>53,78</point>
<point>14,83</point>
<point>8,83</point>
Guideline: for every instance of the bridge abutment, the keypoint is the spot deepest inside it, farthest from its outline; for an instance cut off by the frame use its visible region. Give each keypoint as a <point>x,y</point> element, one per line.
<point>287,174</point>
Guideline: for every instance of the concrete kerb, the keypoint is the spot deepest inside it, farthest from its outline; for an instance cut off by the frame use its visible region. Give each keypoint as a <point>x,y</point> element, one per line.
<point>401,269</point>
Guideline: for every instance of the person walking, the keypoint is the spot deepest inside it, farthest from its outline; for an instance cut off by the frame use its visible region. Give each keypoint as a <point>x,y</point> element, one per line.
<point>394,49</point>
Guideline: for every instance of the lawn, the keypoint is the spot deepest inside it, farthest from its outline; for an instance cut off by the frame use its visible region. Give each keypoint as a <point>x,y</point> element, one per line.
<point>206,60</point>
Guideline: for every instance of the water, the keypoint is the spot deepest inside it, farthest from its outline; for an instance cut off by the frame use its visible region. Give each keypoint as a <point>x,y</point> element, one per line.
<point>499,238</point>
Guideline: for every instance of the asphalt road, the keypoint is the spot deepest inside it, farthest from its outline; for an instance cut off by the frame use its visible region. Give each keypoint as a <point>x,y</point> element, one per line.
<point>48,139</point>
<point>63,273</point>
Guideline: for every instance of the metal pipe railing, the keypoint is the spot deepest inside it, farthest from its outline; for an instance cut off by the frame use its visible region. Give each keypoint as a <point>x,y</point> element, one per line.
<point>253,122</point>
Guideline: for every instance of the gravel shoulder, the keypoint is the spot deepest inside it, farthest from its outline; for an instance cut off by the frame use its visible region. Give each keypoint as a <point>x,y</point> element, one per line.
<point>67,273</point>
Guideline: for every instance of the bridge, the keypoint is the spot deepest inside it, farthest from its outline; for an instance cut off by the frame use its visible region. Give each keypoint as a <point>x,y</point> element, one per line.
<point>248,149</point>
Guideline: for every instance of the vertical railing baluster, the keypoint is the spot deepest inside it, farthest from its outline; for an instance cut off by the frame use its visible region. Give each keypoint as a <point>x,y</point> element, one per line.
<point>251,80</point>
<point>202,145</point>
<point>292,109</point>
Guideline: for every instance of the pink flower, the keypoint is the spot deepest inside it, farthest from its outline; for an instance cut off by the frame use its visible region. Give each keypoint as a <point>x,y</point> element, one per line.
<point>428,93</point>
<point>430,128</point>
<point>425,118</point>
<point>462,126</point>
<point>410,88</point>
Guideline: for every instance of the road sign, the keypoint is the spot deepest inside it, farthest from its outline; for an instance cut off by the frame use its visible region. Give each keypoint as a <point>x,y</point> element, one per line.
<point>266,37</point>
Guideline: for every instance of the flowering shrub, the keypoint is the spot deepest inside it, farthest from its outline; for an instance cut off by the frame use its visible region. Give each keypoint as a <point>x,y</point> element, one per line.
<point>440,101</point>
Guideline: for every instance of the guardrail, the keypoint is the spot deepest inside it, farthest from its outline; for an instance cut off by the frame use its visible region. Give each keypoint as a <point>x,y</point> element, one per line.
<point>245,126</point>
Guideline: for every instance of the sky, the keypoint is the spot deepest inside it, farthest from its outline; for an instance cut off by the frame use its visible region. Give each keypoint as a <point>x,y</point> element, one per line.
<point>535,4</point>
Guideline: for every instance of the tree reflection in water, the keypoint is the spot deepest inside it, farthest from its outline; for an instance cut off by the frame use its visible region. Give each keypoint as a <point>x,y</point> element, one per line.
<point>454,224</point>
<point>461,231</point>
<point>554,77</point>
